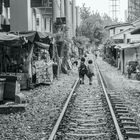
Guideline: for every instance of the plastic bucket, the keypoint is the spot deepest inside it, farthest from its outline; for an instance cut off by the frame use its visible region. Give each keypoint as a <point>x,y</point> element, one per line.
<point>2,83</point>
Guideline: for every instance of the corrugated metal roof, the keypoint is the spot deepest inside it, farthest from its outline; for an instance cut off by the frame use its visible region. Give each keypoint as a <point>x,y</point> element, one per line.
<point>117,25</point>
<point>127,46</point>
<point>136,31</point>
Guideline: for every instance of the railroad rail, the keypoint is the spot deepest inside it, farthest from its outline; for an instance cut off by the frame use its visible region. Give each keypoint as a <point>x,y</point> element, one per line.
<point>125,125</point>
<point>119,134</point>
<point>52,136</point>
<point>85,116</point>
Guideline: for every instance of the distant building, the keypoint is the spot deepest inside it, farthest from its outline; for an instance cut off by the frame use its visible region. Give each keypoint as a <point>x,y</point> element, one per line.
<point>133,9</point>
<point>117,28</point>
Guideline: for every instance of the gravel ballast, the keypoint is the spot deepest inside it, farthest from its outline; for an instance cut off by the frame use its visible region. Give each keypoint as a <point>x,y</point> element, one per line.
<point>128,89</point>
<point>42,111</point>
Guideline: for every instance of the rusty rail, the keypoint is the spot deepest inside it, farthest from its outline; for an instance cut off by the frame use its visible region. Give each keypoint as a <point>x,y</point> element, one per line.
<point>119,134</point>
<point>54,131</point>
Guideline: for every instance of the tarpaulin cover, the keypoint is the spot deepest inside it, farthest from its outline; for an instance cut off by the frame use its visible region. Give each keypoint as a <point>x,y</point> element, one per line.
<point>10,39</point>
<point>33,36</point>
<point>42,45</point>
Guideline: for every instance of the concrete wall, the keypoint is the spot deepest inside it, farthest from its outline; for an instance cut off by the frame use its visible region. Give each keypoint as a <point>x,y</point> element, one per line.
<point>62,8</point>
<point>56,9</point>
<point>78,19</point>
<point>68,16</point>
<point>111,32</point>
<point>48,20</point>
<point>118,30</point>
<point>73,17</point>
<point>25,18</point>
<point>20,15</point>
<point>133,38</point>
<point>34,27</point>
<point>38,20</point>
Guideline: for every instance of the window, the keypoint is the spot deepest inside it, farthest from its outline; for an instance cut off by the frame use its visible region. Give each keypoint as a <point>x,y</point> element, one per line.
<point>128,40</point>
<point>37,21</point>
<point>45,22</point>
<point>114,31</point>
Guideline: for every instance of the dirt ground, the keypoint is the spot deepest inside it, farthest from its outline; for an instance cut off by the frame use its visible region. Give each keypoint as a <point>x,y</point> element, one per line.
<point>42,111</point>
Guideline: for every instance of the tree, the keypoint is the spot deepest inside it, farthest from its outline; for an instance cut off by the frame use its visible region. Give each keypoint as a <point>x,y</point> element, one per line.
<point>85,12</point>
<point>93,24</point>
<point>136,15</point>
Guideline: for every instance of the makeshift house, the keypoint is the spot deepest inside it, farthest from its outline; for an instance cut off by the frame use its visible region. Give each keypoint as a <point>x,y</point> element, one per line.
<point>130,48</point>
<point>9,46</point>
<point>29,61</point>
<point>129,53</point>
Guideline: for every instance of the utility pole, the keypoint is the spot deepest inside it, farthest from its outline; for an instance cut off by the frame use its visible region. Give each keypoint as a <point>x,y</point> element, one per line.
<point>114,9</point>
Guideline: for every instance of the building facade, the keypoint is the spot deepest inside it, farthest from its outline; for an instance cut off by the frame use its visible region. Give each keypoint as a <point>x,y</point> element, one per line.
<point>39,15</point>
<point>133,9</point>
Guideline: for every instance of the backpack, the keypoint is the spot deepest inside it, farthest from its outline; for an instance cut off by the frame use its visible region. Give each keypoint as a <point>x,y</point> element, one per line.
<point>82,69</point>
<point>89,73</point>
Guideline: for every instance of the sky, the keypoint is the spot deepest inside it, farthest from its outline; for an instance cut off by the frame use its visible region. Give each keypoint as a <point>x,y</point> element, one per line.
<point>102,6</point>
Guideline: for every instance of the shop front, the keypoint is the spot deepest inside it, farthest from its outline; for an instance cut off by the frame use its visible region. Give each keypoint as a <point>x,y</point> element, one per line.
<point>27,59</point>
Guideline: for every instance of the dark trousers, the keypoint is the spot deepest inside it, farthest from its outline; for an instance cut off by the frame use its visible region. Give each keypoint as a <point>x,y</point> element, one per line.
<point>55,71</point>
<point>90,79</point>
<point>81,78</point>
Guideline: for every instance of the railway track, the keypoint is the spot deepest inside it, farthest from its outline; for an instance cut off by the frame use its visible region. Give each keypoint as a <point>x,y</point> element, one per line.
<point>90,113</point>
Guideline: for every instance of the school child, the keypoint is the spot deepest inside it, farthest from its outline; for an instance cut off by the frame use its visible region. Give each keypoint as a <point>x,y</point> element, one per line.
<point>75,67</point>
<point>82,70</point>
<point>90,71</point>
<point>95,55</point>
<point>75,63</point>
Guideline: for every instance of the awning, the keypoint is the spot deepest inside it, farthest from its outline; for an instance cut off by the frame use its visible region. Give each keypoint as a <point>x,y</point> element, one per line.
<point>33,36</point>
<point>42,45</point>
<point>136,31</point>
<point>10,39</point>
<point>127,46</point>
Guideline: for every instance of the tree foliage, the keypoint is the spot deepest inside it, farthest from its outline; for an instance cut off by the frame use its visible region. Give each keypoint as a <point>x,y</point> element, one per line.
<point>80,41</point>
<point>85,12</point>
<point>136,15</point>
<point>92,25</point>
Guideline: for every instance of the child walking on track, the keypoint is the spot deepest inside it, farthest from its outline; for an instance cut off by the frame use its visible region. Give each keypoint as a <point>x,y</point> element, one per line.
<point>90,71</point>
<point>82,70</point>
